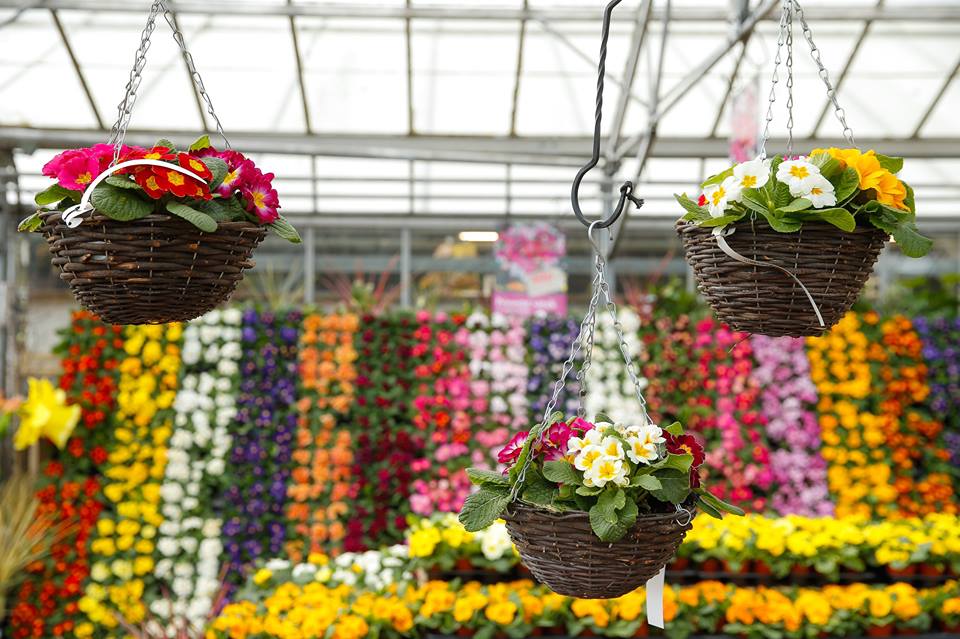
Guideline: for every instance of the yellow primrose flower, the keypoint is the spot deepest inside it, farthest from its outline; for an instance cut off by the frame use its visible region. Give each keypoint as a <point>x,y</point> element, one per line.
<point>262,576</point>
<point>45,413</point>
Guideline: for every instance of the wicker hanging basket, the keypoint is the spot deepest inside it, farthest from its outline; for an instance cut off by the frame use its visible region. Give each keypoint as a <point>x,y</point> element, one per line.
<point>833,265</point>
<point>563,552</point>
<point>155,270</point>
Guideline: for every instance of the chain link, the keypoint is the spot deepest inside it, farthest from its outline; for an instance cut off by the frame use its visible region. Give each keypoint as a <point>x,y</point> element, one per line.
<point>824,75</point>
<point>789,16</point>
<point>125,109</point>
<point>584,339</point>
<point>773,83</point>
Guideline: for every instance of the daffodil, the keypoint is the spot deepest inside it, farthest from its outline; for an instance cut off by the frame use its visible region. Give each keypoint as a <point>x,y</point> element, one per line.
<point>45,413</point>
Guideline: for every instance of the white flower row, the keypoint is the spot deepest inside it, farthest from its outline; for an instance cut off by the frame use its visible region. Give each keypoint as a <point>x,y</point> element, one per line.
<point>374,570</point>
<point>609,388</point>
<point>189,541</point>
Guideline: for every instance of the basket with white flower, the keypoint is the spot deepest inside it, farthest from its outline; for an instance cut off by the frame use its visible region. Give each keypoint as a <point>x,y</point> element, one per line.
<point>597,508</point>
<point>160,234</point>
<point>783,245</point>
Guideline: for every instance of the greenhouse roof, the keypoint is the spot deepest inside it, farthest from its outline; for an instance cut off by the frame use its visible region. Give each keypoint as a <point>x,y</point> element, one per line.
<point>478,109</point>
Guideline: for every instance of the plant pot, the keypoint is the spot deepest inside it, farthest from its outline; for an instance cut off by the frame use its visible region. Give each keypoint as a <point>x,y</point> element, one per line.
<point>562,551</point>
<point>743,569</point>
<point>762,568</point>
<point>832,264</point>
<point>464,565</point>
<point>710,566</point>
<point>931,570</point>
<point>800,571</point>
<point>153,270</point>
<point>678,564</point>
<point>907,632</point>
<point>900,573</point>
<point>880,631</point>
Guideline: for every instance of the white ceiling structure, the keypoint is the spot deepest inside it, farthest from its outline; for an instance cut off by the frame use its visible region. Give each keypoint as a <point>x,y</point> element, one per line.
<point>410,113</point>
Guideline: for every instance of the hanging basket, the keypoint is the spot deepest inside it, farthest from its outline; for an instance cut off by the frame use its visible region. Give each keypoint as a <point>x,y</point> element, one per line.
<point>563,552</point>
<point>155,270</point>
<point>834,266</point>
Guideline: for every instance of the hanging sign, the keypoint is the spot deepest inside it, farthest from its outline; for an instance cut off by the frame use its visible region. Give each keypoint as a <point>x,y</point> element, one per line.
<point>744,117</point>
<point>530,279</point>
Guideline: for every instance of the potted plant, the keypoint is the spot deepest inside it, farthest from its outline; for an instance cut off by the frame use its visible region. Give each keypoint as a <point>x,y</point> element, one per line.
<point>155,235</point>
<point>594,508</point>
<point>818,221</point>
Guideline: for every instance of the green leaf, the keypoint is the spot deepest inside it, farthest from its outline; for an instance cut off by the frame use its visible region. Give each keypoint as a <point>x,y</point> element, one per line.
<point>892,164</point>
<point>675,485</point>
<point>484,507</point>
<point>847,186</point>
<point>829,166</point>
<point>201,143</point>
<point>695,212</point>
<point>680,462</point>
<point>30,223</point>
<point>606,523</point>
<point>199,219</point>
<point>611,499</point>
<point>218,168</point>
<point>284,229</point>
<point>226,209</point>
<point>718,178</point>
<point>675,429</point>
<point>602,417</point>
<point>647,482</point>
<point>53,194</point>
<point>166,143</point>
<point>780,224</point>
<point>120,204</point>
<point>911,243</point>
<point>718,503</point>
<point>538,491</point>
<point>122,182</point>
<point>561,472</point>
<point>799,204</point>
<point>729,218</point>
<point>840,218</point>
<point>588,491</point>
<point>707,508</point>
<point>909,201</point>
<point>480,476</point>
<point>754,200</point>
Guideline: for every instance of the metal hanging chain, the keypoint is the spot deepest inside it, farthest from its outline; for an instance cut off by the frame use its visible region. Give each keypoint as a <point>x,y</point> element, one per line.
<point>791,7</point>
<point>626,189</point>
<point>824,74</point>
<point>125,109</point>
<point>585,338</point>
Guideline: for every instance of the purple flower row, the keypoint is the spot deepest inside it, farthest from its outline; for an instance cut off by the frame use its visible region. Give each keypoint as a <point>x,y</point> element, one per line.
<point>255,521</point>
<point>548,345</point>
<point>789,399</point>
<point>941,351</point>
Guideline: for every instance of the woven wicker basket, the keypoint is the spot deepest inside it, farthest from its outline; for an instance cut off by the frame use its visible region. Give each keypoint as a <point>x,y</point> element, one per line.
<point>832,264</point>
<point>562,551</point>
<point>150,271</point>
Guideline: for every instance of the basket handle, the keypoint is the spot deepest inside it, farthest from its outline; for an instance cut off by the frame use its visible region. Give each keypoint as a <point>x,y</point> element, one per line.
<point>72,216</point>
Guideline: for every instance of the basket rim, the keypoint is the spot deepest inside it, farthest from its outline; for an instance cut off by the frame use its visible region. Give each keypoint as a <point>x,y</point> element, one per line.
<point>570,515</point>
<point>686,226</point>
<point>54,216</point>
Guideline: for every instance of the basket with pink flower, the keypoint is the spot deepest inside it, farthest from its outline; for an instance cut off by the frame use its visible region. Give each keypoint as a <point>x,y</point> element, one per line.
<point>595,508</point>
<point>784,245</point>
<point>160,234</point>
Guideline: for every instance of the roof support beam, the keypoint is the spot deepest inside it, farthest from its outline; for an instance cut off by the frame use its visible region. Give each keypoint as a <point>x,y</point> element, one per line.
<point>843,73</point>
<point>77,70</point>
<point>629,75</point>
<point>742,14</point>
<point>186,67</point>
<point>408,44</point>
<point>708,12</point>
<point>936,100</point>
<point>538,150</point>
<point>680,89</point>
<point>515,100</point>
<point>298,58</point>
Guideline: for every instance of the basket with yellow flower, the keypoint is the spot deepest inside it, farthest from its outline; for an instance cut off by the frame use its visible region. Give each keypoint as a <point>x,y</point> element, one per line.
<point>160,234</point>
<point>595,508</point>
<point>783,245</point>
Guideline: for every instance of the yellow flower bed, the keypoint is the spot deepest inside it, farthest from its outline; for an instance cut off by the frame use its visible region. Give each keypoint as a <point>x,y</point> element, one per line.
<point>122,550</point>
<point>312,611</point>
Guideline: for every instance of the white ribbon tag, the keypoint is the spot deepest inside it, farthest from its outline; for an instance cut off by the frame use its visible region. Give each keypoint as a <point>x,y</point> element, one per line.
<point>655,599</point>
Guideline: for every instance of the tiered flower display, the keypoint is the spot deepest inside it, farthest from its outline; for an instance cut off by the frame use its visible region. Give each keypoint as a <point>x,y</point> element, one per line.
<point>323,458</point>
<point>666,362</point>
<point>70,484</point>
<point>613,470</point>
<point>230,186</point>
<point>842,187</point>
<point>941,351</point>
<point>548,344</point>
<point>789,398</point>
<point>254,518</point>
<point>123,552</point>
<point>189,542</point>
<point>731,425</point>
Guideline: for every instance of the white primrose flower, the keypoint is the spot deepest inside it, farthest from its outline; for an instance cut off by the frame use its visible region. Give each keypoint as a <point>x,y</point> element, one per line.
<point>587,457</point>
<point>612,448</point>
<point>644,441</point>
<point>277,565</point>
<point>797,175</point>
<point>590,438</point>
<point>718,195</point>
<point>605,470</point>
<point>231,316</point>
<point>820,192</point>
<point>752,174</point>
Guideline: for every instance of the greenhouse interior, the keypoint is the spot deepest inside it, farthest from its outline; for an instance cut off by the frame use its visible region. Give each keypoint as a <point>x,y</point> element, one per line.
<point>479,318</point>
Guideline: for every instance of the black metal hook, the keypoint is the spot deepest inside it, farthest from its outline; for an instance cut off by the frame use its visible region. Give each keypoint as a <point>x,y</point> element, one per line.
<point>626,190</point>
